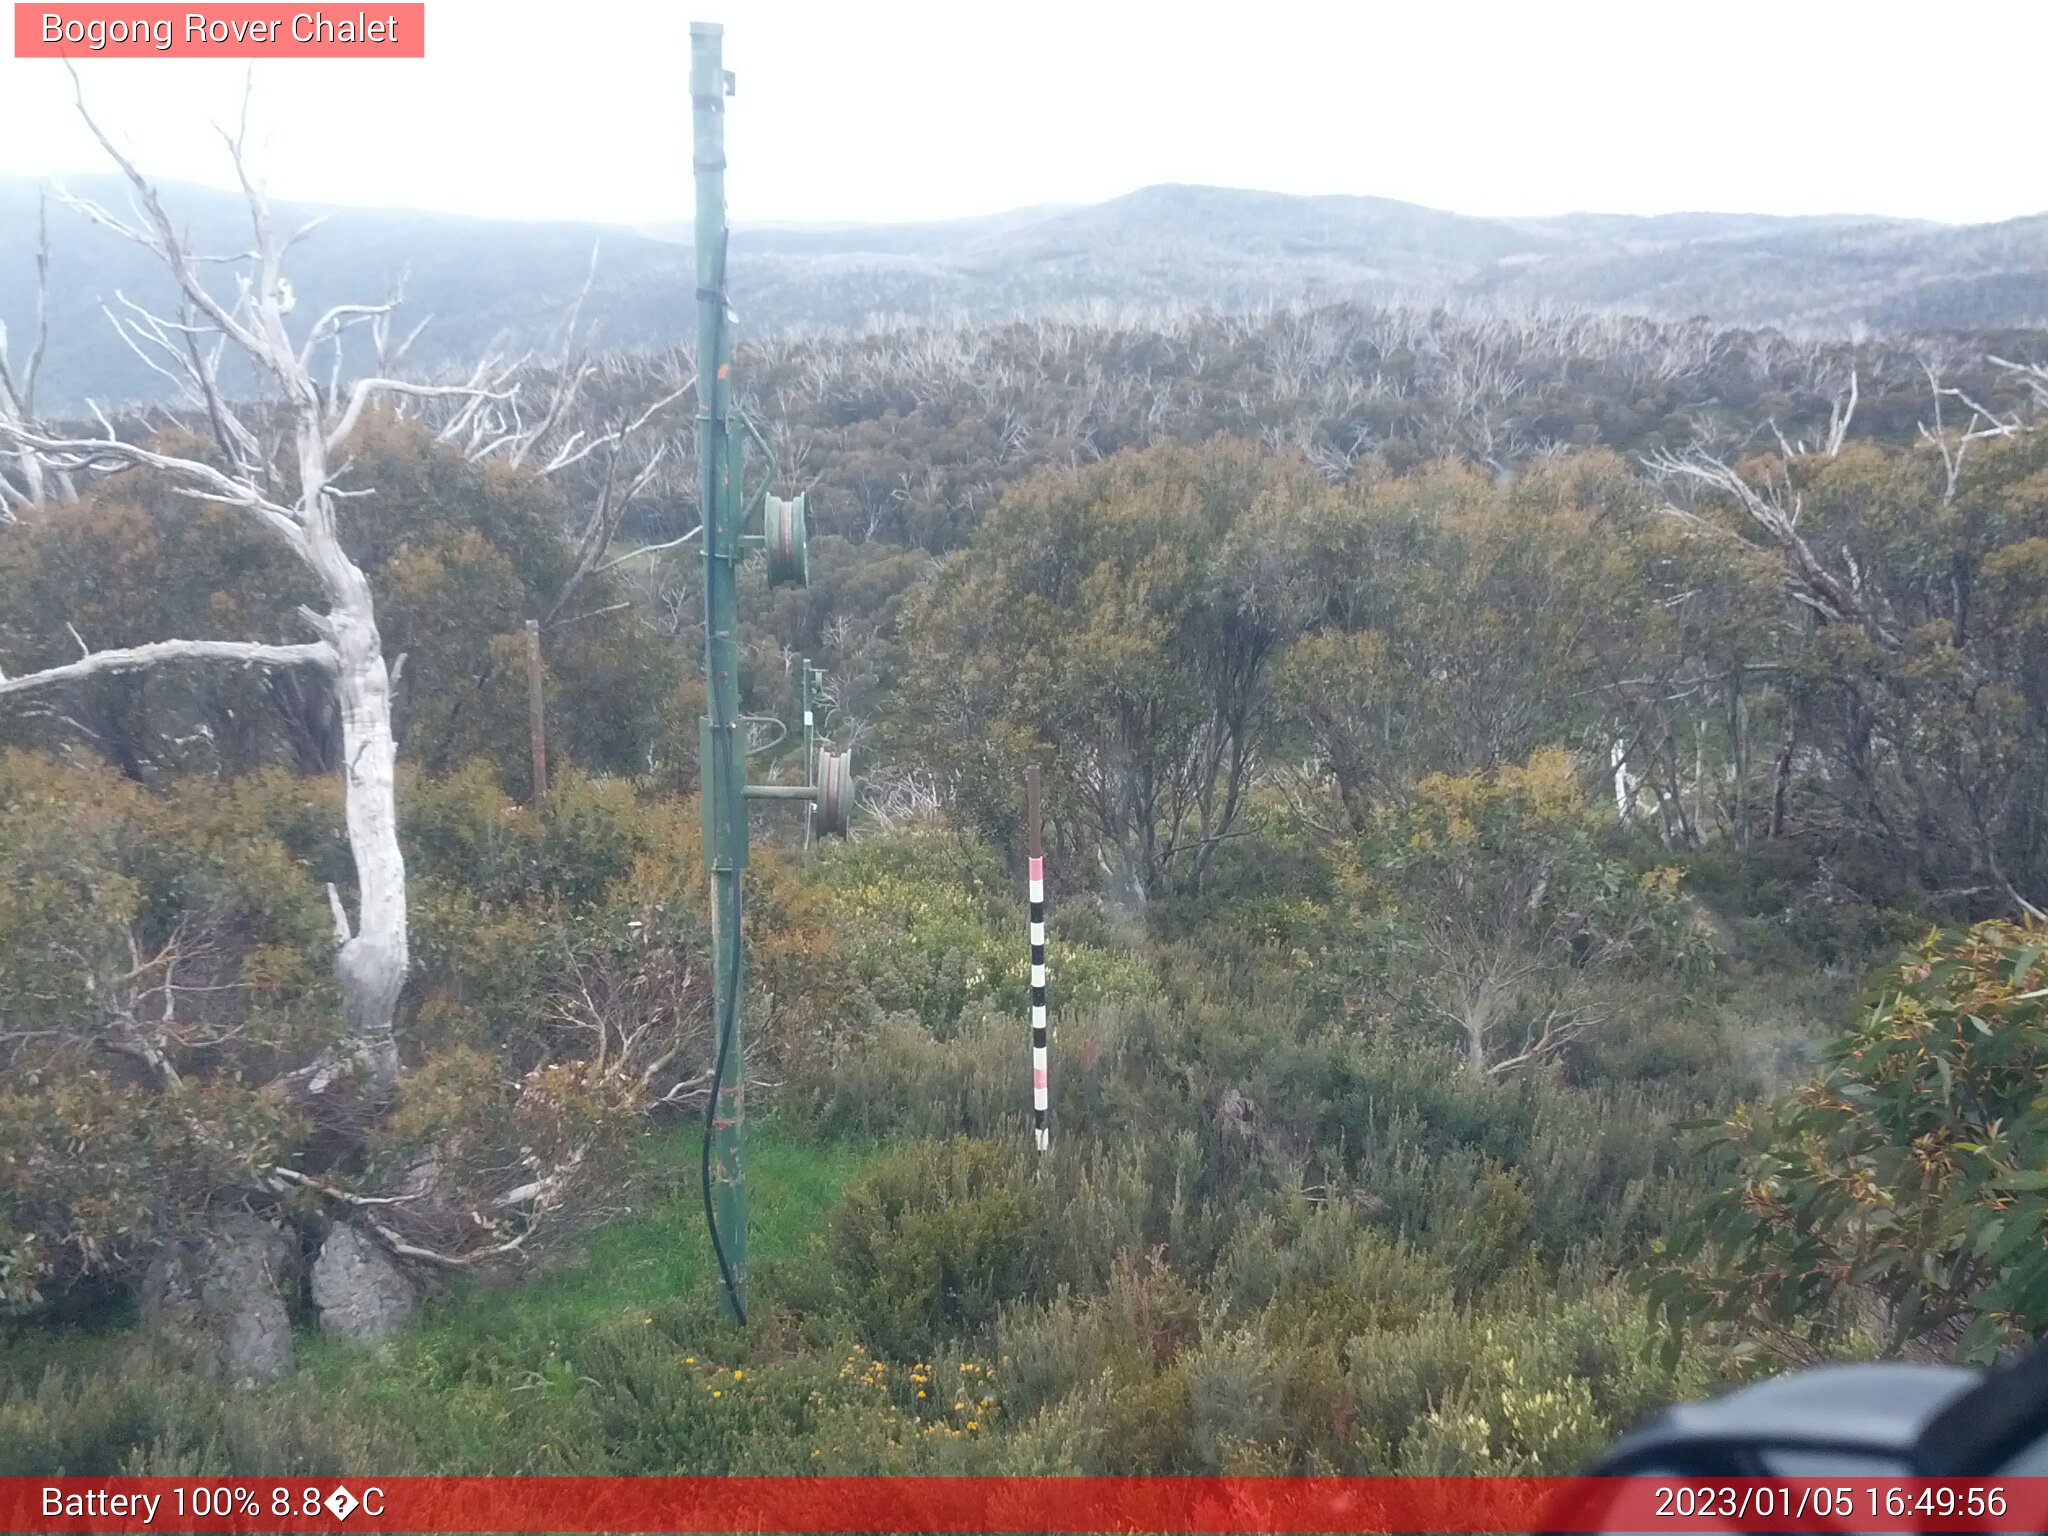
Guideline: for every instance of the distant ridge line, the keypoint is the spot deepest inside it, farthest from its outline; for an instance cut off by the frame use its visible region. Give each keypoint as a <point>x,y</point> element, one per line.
<point>486,280</point>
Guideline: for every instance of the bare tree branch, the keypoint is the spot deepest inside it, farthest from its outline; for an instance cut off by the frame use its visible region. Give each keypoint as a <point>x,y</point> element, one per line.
<point>366,390</point>
<point>1774,511</point>
<point>135,658</point>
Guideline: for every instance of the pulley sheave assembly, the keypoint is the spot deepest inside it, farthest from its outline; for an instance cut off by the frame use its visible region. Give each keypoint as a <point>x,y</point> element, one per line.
<point>785,525</point>
<point>829,812</point>
<point>835,793</point>
<point>831,786</point>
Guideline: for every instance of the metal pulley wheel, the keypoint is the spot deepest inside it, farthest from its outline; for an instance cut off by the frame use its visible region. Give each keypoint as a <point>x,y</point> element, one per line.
<point>835,793</point>
<point>789,549</point>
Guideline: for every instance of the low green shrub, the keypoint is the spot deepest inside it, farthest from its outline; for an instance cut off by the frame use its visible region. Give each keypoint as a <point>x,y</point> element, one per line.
<point>1526,1385</point>
<point>118,1408</point>
<point>932,1240</point>
<point>934,928</point>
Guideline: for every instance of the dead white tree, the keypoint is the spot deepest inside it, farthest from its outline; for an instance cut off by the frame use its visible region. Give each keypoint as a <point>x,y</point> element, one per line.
<point>283,462</point>
<point>1772,505</point>
<point>1952,442</point>
<point>902,799</point>
<point>1842,591</point>
<point>631,460</point>
<point>606,460</point>
<point>26,484</point>
<point>2033,375</point>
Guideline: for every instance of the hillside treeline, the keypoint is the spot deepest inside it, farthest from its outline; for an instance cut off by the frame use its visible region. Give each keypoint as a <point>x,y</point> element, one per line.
<point>909,435</point>
<point>1458,733</point>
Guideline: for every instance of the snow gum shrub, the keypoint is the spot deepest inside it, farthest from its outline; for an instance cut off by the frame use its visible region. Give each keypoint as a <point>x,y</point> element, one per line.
<point>1265,905</point>
<point>563,977</point>
<point>510,899</point>
<point>152,1167</point>
<point>119,1125</point>
<point>460,555</point>
<point>65,888</point>
<point>933,938</point>
<point>1511,873</point>
<point>132,561</point>
<point>933,1240</point>
<point>1527,1384</point>
<point>1899,1198</point>
<point>933,925</point>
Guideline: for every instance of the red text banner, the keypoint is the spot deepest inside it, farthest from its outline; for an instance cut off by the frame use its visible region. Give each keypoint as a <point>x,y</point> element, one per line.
<point>242,31</point>
<point>1020,1504</point>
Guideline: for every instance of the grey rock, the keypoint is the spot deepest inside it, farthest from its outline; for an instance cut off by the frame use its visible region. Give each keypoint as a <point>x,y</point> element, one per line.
<point>362,1295</point>
<point>219,1293</point>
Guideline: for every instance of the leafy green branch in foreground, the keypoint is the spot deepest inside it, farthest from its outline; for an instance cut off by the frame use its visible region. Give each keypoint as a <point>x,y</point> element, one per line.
<point>1901,1194</point>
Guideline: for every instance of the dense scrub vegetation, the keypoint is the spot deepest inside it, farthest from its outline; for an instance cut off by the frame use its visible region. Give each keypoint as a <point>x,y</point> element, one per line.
<point>1436,827</point>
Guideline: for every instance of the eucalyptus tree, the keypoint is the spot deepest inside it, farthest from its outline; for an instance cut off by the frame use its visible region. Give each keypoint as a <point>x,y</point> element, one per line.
<point>1121,623</point>
<point>281,459</point>
<point>1917,574</point>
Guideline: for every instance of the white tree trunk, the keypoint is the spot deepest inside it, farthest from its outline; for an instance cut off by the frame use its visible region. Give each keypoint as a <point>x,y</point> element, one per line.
<point>1625,784</point>
<point>372,961</point>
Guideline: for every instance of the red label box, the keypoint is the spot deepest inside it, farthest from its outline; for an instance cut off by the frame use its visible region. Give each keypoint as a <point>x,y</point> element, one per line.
<point>999,1506</point>
<point>380,30</point>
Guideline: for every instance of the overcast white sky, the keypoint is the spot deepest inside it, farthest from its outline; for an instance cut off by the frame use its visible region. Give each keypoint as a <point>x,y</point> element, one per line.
<point>897,109</point>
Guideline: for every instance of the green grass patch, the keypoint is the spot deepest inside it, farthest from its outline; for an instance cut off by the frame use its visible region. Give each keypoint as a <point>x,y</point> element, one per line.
<point>483,1352</point>
<point>654,1260</point>
<point>494,1377</point>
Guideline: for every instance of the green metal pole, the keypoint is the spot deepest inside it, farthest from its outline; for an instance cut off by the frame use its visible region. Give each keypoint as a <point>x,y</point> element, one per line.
<point>722,761</point>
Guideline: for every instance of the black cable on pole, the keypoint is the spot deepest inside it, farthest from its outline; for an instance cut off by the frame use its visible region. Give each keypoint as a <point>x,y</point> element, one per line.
<point>708,385</point>
<point>711,1117</point>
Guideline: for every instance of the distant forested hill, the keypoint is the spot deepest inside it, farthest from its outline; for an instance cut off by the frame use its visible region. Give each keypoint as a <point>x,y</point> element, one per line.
<point>486,280</point>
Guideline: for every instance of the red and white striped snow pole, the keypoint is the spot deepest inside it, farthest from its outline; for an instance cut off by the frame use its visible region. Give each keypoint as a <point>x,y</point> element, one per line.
<point>1040,1101</point>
